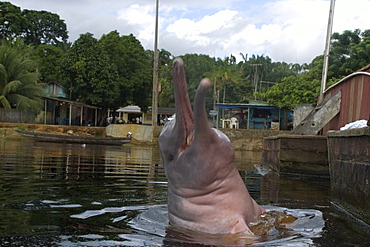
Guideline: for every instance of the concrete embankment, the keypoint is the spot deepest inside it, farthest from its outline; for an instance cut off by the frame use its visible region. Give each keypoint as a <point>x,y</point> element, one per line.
<point>242,139</point>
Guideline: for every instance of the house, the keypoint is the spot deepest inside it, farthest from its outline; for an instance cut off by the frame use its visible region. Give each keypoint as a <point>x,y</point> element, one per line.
<point>62,111</point>
<point>253,115</point>
<point>55,90</point>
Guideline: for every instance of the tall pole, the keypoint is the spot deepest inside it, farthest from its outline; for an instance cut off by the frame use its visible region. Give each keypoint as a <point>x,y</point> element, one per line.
<point>255,65</point>
<point>326,52</point>
<point>155,72</point>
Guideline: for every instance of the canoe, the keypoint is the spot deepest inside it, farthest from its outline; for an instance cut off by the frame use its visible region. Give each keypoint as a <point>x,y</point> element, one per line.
<point>44,137</point>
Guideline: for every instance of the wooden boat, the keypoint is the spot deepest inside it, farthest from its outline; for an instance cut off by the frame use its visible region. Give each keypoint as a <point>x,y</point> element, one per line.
<point>44,137</point>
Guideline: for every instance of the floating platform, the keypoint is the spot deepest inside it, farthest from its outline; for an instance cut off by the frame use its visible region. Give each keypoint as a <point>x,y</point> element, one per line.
<point>296,154</point>
<point>349,158</point>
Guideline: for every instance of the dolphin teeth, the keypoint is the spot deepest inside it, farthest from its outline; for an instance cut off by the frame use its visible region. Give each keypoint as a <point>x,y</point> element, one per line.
<point>189,138</point>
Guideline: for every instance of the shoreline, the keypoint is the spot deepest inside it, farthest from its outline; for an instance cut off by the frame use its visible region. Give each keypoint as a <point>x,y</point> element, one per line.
<point>241,139</point>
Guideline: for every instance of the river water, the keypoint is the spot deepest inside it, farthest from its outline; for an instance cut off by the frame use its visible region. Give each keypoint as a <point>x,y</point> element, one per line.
<point>55,194</point>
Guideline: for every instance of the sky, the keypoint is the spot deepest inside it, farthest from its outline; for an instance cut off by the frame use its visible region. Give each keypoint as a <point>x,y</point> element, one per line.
<point>292,31</point>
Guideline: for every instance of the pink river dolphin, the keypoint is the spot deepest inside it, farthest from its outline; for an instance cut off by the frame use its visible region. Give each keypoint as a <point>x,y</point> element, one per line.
<point>205,190</point>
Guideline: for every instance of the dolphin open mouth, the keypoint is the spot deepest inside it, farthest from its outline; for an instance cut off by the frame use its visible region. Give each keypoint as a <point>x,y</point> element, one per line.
<point>184,114</point>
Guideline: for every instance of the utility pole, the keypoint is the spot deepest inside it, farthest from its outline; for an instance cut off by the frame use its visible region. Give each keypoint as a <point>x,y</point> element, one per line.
<point>155,72</point>
<point>214,93</point>
<point>326,52</point>
<point>255,65</point>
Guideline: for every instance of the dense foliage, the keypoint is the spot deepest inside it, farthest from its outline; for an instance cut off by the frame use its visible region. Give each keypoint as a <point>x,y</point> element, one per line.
<point>36,27</point>
<point>49,59</point>
<point>350,51</point>
<point>91,77</point>
<point>133,66</point>
<point>19,87</point>
<point>116,71</point>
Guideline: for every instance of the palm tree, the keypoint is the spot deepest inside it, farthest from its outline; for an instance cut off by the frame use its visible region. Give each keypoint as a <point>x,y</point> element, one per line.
<point>225,72</point>
<point>18,78</point>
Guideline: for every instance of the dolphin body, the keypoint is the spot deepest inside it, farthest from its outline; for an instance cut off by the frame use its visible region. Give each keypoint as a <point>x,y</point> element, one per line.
<point>205,190</point>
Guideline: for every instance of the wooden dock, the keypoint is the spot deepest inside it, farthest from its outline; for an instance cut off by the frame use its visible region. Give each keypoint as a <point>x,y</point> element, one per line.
<point>349,157</point>
<point>296,154</point>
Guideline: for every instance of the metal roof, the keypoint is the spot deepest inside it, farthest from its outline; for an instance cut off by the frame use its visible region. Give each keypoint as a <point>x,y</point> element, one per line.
<point>137,109</point>
<point>260,105</point>
<point>130,108</point>
<point>71,102</point>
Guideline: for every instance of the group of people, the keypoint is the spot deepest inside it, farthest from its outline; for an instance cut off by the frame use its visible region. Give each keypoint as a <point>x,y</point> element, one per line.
<point>78,121</point>
<point>117,120</point>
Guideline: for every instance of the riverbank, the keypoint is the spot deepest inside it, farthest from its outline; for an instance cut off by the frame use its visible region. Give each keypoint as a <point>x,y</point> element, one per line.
<point>242,139</point>
<point>7,130</point>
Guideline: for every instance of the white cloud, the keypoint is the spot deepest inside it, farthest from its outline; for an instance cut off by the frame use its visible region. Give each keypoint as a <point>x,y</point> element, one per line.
<point>202,32</point>
<point>141,18</point>
<point>286,30</point>
<point>137,14</point>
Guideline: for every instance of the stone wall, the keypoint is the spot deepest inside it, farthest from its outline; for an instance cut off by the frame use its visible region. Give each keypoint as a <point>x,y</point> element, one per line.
<point>242,139</point>
<point>249,140</point>
<point>140,133</point>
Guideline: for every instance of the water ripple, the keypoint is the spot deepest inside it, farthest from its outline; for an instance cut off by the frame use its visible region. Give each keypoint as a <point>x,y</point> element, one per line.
<point>91,213</point>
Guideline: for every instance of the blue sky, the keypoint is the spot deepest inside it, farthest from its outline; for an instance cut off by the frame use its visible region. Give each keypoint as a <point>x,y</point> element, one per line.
<point>290,31</point>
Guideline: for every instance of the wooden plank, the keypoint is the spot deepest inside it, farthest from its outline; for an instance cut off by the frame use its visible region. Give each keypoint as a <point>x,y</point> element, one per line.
<point>360,89</point>
<point>351,101</point>
<point>310,169</point>
<point>303,156</point>
<point>314,145</point>
<point>320,116</point>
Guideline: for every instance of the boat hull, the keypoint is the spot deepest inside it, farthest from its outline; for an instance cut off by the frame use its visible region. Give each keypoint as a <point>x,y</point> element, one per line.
<point>44,137</point>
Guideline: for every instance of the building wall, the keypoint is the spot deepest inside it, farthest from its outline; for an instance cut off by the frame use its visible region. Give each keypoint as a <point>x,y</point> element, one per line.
<point>355,100</point>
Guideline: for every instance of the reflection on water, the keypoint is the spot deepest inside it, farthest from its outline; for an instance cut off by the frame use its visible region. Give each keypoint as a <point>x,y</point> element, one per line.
<point>66,194</point>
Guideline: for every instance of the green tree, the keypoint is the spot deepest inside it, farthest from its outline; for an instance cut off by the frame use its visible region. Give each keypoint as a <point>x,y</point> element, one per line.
<point>350,51</point>
<point>19,87</point>
<point>196,65</point>
<point>225,74</point>
<point>49,58</point>
<point>43,27</point>
<point>92,79</point>
<point>132,63</point>
<point>360,52</point>
<point>261,73</point>
<point>36,27</point>
<point>293,90</point>
<point>11,21</point>
<point>166,95</point>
